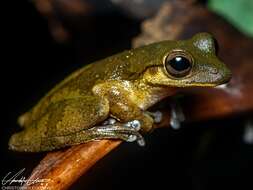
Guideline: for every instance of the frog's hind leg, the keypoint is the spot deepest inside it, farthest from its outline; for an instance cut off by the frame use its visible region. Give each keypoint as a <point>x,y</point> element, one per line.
<point>63,118</point>
<point>124,131</point>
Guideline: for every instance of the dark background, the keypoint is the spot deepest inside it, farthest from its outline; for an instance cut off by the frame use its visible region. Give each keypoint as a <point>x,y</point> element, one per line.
<point>208,155</point>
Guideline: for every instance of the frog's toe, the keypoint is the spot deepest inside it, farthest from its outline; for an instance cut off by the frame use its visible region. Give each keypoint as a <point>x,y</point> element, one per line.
<point>157,116</point>
<point>141,142</point>
<point>135,124</point>
<point>132,138</point>
<point>177,115</point>
<point>175,123</point>
<point>136,137</point>
<point>109,121</point>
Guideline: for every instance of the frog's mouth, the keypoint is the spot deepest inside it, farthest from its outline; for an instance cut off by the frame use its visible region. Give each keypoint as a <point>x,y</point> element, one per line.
<point>212,81</point>
<point>222,86</point>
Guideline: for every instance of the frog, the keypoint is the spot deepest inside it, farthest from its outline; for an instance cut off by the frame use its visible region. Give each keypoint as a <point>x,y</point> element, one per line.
<point>110,98</point>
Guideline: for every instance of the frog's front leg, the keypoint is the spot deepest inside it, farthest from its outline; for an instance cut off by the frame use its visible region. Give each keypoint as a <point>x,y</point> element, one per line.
<point>124,107</point>
<point>125,112</point>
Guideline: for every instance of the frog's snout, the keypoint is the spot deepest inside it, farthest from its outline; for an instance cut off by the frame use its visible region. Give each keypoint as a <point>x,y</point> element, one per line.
<point>213,75</point>
<point>224,76</point>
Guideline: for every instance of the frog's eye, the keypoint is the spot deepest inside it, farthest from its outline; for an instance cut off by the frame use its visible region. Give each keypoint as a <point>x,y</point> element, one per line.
<point>178,64</point>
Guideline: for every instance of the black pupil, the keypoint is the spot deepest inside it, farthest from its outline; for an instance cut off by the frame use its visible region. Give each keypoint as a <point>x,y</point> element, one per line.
<point>179,63</point>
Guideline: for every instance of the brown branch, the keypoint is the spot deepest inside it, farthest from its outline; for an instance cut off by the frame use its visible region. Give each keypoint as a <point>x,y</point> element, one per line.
<point>60,169</point>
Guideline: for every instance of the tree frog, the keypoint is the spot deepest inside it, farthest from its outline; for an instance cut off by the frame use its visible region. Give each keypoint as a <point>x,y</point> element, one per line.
<point>108,99</point>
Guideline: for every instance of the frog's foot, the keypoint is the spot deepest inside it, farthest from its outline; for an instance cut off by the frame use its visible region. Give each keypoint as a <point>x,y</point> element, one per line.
<point>136,125</point>
<point>126,131</point>
<point>157,116</point>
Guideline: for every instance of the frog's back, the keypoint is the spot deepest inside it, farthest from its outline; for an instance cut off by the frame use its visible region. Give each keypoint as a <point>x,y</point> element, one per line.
<point>81,81</point>
<point>77,84</point>
<point>123,66</point>
<point>127,65</point>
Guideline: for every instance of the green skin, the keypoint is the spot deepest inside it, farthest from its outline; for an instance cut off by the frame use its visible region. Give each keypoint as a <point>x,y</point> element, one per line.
<point>123,87</point>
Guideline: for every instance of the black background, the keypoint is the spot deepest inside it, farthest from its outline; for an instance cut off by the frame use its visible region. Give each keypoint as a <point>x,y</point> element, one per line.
<point>208,155</point>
